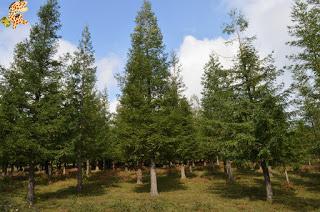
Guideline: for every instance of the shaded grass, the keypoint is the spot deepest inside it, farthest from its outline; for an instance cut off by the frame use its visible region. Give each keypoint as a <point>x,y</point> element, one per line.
<point>204,190</point>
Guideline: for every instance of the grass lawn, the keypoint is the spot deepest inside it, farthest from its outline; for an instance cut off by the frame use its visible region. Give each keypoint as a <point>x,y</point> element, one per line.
<point>204,190</point>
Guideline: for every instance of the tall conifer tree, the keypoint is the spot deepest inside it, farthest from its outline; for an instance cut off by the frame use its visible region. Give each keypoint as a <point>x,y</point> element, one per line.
<point>34,87</point>
<point>260,106</point>
<point>83,104</point>
<point>306,66</point>
<point>144,86</point>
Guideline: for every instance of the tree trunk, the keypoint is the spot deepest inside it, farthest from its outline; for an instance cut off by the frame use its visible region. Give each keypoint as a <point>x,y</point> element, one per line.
<point>97,166</point>
<point>126,167</point>
<point>183,171</point>
<point>205,163</point>
<point>79,174</point>
<point>218,162</point>
<point>270,171</point>
<point>104,165</point>
<point>139,176</point>
<point>310,163</point>
<point>228,169</point>
<point>49,165</point>
<point>31,185</point>
<point>11,170</point>
<point>88,168</point>
<point>113,166</point>
<point>193,164</point>
<point>267,180</point>
<point>153,179</point>
<point>190,168</point>
<point>286,174</point>
<point>64,169</point>
<point>4,169</point>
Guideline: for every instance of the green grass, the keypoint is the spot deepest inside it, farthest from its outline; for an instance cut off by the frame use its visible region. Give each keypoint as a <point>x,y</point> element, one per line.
<point>203,191</point>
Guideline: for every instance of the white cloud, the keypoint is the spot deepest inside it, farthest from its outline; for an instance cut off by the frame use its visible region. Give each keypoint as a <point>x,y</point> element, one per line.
<point>9,38</point>
<point>106,68</point>
<point>64,48</point>
<point>194,54</point>
<point>113,106</point>
<point>267,19</point>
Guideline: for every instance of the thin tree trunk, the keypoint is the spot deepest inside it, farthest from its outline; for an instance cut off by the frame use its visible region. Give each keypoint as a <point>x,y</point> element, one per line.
<point>205,163</point>
<point>88,168</point>
<point>286,174</point>
<point>97,166</point>
<point>113,166</point>
<point>49,172</point>
<point>218,162</point>
<point>11,170</point>
<point>4,169</point>
<point>31,185</point>
<point>230,178</point>
<point>153,179</point>
<point>64,169</point>
<point>190,167</point>
<point>183,171</point>
<point>79,174</point>
<point>270,171</point>
<point>104,165</point>
<point>310,163</point>
<point>193,164</point>
<point>139,176</point>
<point>126,167</point>
<point>267,180</point>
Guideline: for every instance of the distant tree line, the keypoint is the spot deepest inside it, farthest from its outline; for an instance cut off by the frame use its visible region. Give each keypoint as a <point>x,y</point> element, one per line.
<point>52,115</point>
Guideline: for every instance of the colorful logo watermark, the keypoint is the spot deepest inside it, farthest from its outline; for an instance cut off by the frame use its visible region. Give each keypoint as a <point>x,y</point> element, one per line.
<point>15,15</point>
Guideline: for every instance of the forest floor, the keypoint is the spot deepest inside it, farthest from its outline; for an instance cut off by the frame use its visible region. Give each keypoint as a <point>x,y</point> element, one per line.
<point>204,190</point>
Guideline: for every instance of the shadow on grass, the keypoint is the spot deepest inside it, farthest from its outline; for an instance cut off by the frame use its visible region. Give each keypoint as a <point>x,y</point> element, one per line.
<point>254,190</point>
<point>166,183</point>
<point>95,185</point>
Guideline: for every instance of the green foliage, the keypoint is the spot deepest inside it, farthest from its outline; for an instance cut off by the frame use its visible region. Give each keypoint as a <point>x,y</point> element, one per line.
<point>32,99</point>
<point>87,114</point>
<point>144,85</point>
<point>306,66</point>
<point>178,125</point>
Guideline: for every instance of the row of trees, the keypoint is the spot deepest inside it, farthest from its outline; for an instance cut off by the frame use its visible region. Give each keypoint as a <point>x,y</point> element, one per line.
<point>50,111</point>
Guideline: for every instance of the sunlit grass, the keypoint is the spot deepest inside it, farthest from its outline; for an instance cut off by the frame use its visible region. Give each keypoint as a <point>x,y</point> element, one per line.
<point>204,190</point>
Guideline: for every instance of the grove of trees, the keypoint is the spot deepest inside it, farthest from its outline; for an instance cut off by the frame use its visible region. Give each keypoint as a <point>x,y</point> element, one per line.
<point>52,116</point>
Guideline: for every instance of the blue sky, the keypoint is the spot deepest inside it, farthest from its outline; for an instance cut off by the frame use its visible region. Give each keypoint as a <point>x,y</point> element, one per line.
<point>190,27</point>
<point>111,21</point>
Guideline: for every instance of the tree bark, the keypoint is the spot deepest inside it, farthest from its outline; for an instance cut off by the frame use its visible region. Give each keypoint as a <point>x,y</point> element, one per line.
<point>113,166</point>
<point>286,174</point>
<point>193,164</point>
<point>97,166</point>
<point>218,162</point>
<point>104,165</point>
<point>88,169</point>
<point>79,174</point>
<point>153,179</point>
<point>205,163</point>
<point>4,169</point>
<point>64,169</point>
<point>183,171</point>
<point>139,176</point>
<point>31,185</point>
<point>49,172</point>
<point>228,169</point>
<point>11,170</point>
<point>190,168</point>
<point>267,180</point>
